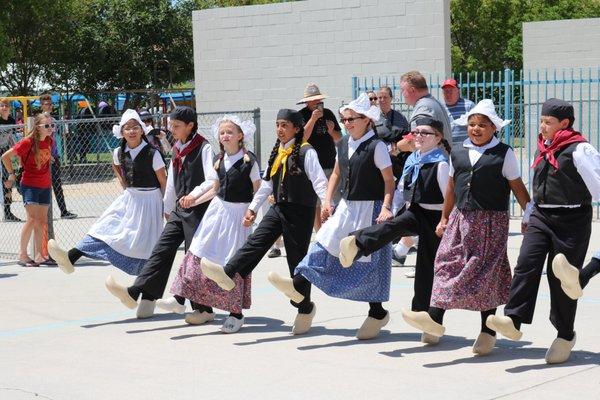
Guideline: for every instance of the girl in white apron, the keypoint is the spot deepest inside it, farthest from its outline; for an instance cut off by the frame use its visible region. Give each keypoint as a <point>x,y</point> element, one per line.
<point>126,232</point>
<point>239,178</point>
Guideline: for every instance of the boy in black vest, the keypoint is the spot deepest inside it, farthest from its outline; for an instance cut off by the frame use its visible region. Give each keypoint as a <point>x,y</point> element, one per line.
<point>564,184</point>
<point>191,174</point>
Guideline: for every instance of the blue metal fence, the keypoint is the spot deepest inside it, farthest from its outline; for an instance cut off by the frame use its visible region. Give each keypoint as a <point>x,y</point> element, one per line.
<point>518,96</point>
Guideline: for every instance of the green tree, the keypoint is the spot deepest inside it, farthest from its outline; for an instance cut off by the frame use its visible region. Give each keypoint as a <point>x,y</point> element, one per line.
<point>488,34</point>
<point>33,32</point>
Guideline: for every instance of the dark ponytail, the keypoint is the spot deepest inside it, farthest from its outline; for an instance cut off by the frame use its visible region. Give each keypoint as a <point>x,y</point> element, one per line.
<point>295,167</point>
<point>446,145</point>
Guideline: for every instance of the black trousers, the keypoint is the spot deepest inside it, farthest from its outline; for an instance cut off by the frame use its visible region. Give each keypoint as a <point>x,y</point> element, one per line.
<point>408,222</point>
<point>153,278</point>
<point>57,187</point>
<point>293,221</point>
<point>550,231</point>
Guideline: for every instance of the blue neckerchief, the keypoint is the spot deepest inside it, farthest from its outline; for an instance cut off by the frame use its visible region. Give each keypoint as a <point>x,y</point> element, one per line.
<point>415,161</point>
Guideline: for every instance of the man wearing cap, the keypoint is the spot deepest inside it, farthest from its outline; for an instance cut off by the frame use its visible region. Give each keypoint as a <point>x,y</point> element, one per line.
<point>456,107</point>
<point>322,131</point>
<point>416,93</point>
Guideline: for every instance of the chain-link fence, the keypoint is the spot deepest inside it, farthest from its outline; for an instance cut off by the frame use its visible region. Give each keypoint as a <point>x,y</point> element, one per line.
<point>83,181</point>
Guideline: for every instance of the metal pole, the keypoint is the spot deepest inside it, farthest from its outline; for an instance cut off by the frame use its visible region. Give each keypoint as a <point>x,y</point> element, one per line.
<point>257,146</point>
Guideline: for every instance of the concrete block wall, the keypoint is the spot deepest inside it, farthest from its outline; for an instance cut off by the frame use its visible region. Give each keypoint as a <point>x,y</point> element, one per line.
<point>571,43</point>
<point>264,55</point>
<point>565,51</point>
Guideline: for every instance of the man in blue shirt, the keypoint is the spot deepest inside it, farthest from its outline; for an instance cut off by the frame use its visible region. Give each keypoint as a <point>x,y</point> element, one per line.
<point>456,107</point>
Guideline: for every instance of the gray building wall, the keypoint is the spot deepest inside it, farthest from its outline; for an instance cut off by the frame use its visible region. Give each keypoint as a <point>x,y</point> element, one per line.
<point>571,43</point>
<point>264,55</point>
<point>562,59</point>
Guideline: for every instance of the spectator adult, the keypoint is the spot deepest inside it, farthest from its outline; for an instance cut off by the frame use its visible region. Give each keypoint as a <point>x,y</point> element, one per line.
<point>322,131</point>
<point>85,132</point>
<point>416,93</point>
<point>47,107</point>
<point>34,151</point>
<point>391,127</point>
<point>7,140</point>
<point>373,98</point>
<point>156,136</point>
<point>456,107</point>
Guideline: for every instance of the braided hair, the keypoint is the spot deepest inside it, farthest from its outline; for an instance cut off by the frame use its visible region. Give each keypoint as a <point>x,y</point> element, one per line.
<point>272,159</point>
<point>295,167</point>
<point>128,175</point>
<point>446,145</point>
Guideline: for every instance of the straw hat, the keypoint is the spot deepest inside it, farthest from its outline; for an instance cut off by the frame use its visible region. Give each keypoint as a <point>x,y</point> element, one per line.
<point>311,93</point>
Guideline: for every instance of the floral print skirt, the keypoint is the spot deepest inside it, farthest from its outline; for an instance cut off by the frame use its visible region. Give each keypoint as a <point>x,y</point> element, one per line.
<point>192,284</point>
<point>471,269</point>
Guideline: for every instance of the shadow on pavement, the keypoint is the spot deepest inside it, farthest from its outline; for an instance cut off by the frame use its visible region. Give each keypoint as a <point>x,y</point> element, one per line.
<point>447,343</point>
<point>157,317</point>
<point>251,325</point>
<point>7,275</point>
<point>515,351</point>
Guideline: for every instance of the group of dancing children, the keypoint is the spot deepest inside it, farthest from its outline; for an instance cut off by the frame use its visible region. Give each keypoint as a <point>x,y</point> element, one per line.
<point>455,200</point>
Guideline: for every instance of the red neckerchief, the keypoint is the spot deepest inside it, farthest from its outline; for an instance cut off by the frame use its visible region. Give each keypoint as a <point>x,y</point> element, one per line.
<point>562,139</point>
<point>197,140</point>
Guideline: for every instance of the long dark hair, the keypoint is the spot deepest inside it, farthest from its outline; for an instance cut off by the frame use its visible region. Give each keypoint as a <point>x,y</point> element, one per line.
<point>295,157</point>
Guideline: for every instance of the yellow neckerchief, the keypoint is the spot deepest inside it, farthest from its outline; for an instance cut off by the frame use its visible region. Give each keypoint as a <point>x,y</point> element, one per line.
<point>281,159</point>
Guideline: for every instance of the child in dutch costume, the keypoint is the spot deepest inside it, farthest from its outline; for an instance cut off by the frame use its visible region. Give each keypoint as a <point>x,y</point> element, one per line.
<point>191,175</point>
<point>471,268</point>
<point>364,170</point>
<point>295,179</point>
<point>565,182</point>
<point>126,232</point>
<point>421,191</point>
<point>222,231</point>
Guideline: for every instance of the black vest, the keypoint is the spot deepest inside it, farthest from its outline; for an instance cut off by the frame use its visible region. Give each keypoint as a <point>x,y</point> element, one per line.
<point>139,173</point>
<point>426,189</point>
<point>235,185</point>
<point>295,189</point>
<point>562,186</point>
<point>192,173</point>
<point>481,186</point>
<point>360,179</point>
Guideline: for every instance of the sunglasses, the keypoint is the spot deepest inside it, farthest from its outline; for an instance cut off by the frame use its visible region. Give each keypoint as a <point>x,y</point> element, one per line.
<point>47,126</point>
<point>422,133</point>
<point>350,120</point>
<point>373,98</point>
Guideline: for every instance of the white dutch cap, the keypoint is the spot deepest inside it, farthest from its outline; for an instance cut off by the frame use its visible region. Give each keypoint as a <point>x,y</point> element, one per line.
<point>247,126</point>
<point>484,107</point>
<point>127,116</point>
<point>363,106</point>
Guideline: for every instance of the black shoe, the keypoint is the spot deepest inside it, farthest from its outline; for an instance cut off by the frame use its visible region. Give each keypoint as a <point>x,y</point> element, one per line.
<point>398,261</point>
<point>48,262</point>
<point>274,253</point>
<point>10,217</point>
<point>68,215</point>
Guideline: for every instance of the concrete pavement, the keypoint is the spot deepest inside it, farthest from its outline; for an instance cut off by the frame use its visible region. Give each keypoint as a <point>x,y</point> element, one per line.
<point>65,337</point>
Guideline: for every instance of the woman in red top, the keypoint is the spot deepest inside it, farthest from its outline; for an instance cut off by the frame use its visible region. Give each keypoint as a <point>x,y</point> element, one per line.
<point>34,152</point>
